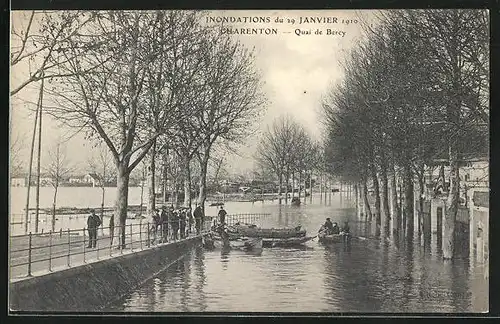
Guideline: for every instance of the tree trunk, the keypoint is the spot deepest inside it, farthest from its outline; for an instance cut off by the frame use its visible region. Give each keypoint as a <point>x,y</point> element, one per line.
<point>300,183</point>
<point>203,180</point>
<point>150,208</point>
<point>142,196</point>
<point>167,168</point>
<point>293,184</point>
<point>368,212</point>
<point>54,209</point>
<point>311,187</point>
<point>376,189</point>
<point>385,197</point>
<point>187,181</point>
<point>409,201</point>
<point>421,187</point>
<point>280,188</point>
<point>396,212</point>
<point>358,209</point>
<point>102,209</point>
<point>121,204</point>
<point>452,206</point>
<point>286,189</point>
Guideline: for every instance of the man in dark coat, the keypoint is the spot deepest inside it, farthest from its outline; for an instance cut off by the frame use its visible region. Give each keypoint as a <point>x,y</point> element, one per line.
<point>189,215</point>
<point>222,215</point>
<point>93,222</point>
<point>328,226</point>
<point>164,223</point>
<point>182,215</point>
<point>174,223</point>
<point>198,218</point>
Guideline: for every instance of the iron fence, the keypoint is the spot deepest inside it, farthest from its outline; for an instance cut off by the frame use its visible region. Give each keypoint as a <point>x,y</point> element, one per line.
<point>42,252</point>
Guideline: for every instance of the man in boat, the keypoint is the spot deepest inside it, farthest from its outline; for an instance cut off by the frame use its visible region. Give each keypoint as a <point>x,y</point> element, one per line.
<point>346,231</point>
<point>335,229</point>
<point>328,226</point>
<point>222,215</point>
<point>345,228</point>
<point>198,217</point>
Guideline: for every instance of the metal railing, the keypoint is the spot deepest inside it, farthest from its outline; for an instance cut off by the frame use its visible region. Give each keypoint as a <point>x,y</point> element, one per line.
<point>43,252</point>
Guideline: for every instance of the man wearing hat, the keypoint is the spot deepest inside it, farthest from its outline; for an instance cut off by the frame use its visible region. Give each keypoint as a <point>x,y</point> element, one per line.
<point>93,222</point>
<point>198,218</point>
<point>222,215</point>
<point>164,223</point>
<point>328,226</point>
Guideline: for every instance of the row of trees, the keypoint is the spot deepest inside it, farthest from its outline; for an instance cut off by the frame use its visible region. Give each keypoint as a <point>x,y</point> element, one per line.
<point>288,152</point>
<point>415,91</point>
<point>144,84</point>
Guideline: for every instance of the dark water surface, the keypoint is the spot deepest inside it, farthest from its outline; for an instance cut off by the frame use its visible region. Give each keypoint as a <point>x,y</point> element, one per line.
<point>373,275</point>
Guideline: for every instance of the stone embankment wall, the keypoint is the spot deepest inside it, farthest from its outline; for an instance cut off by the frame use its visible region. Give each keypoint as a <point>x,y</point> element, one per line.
<point>93,286</point>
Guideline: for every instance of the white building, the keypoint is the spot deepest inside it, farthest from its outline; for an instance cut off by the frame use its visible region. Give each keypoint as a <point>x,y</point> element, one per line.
<point>91,178</point>
<point>19,180</point>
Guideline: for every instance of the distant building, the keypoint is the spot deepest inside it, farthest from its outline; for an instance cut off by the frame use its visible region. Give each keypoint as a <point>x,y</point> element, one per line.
<point>91,178</point>
<point>19,180</point>
<point>475,174</point>
<point>76,179</point>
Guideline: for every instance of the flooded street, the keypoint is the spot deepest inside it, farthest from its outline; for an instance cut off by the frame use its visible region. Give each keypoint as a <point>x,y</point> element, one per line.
<point>374,275</point>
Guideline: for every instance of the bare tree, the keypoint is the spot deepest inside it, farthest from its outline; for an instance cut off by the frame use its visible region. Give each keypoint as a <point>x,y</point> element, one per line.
<point>101,166</point>
<point>16,146</point>
<point>113,101</point>
<point>276,149</point>
<point>58,169</point>
<point>231,99</point>
<point>38,41</point>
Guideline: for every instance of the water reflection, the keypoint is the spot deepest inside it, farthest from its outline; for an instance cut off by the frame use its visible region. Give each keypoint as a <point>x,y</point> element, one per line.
<point>199,266</point>
<point>371,275</point>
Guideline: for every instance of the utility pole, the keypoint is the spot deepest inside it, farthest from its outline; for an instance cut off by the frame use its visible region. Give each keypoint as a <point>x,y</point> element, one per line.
<point>37,211</point>
<point>30,169</point>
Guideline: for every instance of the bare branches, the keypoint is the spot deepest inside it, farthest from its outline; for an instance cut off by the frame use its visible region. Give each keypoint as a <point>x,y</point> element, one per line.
<point>59,166</point>
<point>412,87</point>
<point>285,148</point>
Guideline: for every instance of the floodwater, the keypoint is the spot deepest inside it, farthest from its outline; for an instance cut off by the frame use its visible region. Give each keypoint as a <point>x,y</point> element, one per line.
<point>81,197</point>
<point>373,275</point>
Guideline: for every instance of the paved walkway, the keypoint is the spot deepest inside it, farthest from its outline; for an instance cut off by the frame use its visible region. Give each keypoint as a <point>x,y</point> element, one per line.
<point>66,253</point>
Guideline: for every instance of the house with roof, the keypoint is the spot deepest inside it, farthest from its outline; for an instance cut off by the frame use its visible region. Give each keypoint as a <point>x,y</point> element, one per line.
<point>19,180</point>
<point>91,178</point>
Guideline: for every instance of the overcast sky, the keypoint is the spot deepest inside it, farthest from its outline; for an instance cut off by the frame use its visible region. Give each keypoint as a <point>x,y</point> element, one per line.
<point>297,71</point>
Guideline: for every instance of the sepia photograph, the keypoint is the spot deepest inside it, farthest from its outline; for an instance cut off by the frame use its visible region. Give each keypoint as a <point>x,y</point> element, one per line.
<point>249,161</point>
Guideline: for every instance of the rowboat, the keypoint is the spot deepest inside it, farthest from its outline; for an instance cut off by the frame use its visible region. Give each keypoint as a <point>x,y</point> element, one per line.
<point>220,238</point>
<point>288,242</point>
<point>241,243</point>
<point>266,233</point>
<point>325,238</point>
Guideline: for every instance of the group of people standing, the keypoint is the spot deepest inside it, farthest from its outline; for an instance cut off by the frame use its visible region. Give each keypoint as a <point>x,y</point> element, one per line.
<point>176,222</point>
